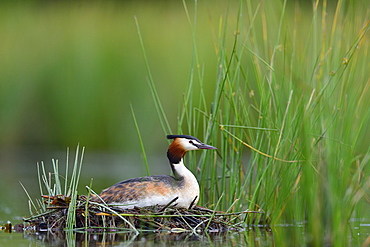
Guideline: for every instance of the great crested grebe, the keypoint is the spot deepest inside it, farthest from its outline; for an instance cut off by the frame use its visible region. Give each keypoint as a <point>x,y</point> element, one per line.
<point>182,188</point>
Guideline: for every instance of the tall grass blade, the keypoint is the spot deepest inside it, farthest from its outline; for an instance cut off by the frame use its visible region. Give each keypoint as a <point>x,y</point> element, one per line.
<point>158,105</point>
<point>141,142</point>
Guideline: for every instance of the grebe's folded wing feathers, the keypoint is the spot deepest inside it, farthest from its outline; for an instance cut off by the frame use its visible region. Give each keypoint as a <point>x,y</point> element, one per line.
<point>135,189</point>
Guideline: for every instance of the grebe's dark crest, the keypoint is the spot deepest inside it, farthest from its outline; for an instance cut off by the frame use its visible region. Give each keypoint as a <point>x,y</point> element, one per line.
<point>162,189</point>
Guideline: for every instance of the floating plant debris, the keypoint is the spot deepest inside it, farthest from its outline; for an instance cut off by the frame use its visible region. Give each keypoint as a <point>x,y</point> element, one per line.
<point>92,216</point>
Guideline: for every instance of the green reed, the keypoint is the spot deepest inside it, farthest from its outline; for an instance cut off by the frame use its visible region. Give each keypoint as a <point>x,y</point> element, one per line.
<point>288,115</point>
<point>57,183</point>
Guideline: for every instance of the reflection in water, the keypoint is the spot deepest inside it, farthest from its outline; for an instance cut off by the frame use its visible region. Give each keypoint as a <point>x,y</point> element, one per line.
<point>250,237</point>
<point>280,235</point>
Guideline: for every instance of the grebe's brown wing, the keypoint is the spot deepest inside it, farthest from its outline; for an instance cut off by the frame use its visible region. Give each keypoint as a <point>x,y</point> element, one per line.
<point>136,189</point>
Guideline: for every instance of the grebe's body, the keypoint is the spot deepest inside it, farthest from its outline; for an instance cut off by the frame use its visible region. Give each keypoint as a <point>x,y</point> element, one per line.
<point>182,188</point>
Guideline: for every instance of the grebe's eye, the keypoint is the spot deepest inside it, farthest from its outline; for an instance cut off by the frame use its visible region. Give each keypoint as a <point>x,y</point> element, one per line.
<point>191,142</point>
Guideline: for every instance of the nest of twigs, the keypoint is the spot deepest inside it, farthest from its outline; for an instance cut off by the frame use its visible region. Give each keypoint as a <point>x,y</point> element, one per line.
<point>92,216</point>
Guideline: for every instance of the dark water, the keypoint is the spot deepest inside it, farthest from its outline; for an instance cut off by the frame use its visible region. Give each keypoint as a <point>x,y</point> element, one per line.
<point>249,237</point>
<point>19,166</point>
<point>281,235</point>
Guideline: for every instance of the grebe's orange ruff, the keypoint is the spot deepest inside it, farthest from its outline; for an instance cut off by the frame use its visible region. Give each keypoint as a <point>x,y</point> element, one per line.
<point>162,189</point>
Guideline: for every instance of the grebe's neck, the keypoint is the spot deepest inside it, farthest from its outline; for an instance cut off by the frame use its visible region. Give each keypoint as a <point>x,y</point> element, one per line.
<point>187,187</point>
<point>175,155</point>
<point>180,171</point>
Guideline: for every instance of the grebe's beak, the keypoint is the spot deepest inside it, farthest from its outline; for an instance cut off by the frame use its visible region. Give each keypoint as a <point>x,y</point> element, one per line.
<point>205,146</point>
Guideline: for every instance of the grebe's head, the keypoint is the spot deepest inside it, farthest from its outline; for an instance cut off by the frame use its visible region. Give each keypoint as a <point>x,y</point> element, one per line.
<point>181,144</point>
<point>187,143</point>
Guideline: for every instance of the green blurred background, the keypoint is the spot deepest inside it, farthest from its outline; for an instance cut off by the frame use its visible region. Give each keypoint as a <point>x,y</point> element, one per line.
<point>69,71</point>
